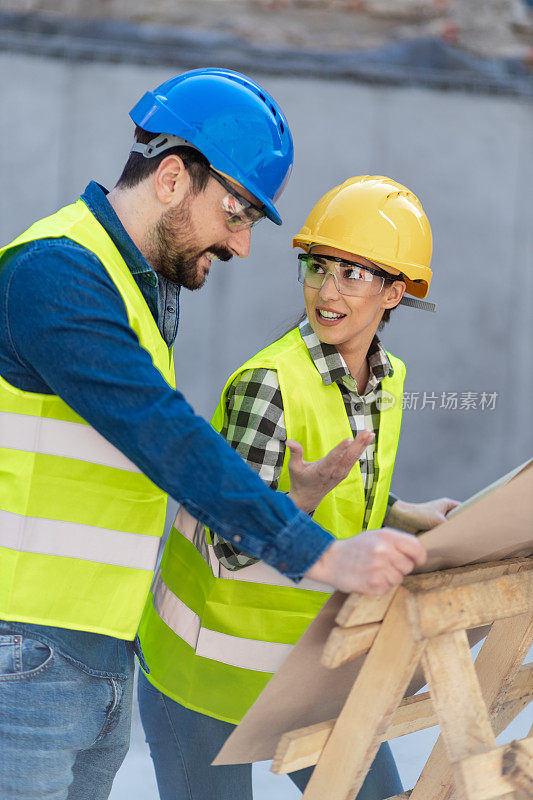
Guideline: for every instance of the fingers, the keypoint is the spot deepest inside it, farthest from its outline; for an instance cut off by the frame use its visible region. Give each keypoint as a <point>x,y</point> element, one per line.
<point>297,452</point>
<point>408,545</point>
<point>294,446</point>
<point>371,563</point>
<point>401,564</point>
<point>443,504</point>
<point>382,580</point>
<point>357,447</point>
<point>449,505</point>
<point>340,460</point>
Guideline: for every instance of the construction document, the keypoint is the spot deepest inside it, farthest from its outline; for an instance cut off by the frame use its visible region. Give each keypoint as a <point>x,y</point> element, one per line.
<point>494,524</point>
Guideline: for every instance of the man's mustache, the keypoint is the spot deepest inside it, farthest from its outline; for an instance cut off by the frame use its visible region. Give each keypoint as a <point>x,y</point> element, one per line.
<point>220,252</point>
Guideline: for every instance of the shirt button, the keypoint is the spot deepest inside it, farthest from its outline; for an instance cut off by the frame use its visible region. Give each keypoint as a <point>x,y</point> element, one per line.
<point>170,309</point>
<point>237,538</point>
<point>358,407</point>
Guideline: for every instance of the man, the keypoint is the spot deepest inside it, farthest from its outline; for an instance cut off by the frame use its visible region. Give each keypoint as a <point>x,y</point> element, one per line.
<point>94,434</point>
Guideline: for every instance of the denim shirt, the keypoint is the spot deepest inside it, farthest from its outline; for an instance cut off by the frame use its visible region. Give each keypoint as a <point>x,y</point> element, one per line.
<point>92,345</point>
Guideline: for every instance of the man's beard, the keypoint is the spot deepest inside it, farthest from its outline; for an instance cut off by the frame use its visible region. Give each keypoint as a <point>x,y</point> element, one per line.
<point>172,253</point>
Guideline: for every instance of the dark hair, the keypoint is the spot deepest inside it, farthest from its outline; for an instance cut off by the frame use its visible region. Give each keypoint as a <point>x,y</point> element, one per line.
<point>137,167</point>
<point>386,314</point>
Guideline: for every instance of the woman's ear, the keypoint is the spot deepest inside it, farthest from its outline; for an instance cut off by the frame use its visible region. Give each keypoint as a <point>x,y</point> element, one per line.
<point>393,294</point>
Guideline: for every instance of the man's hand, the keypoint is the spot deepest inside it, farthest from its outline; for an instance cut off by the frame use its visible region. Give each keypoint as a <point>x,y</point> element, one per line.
<point>312,480</point>
<point>371,563</point>
<point>419,517</point>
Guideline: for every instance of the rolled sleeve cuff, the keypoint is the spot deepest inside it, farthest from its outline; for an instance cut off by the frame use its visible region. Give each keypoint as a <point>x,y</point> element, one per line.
<point>297,547</point>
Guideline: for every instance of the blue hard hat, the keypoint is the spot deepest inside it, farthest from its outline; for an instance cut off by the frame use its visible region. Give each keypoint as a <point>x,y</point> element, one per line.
<point>238,127</point>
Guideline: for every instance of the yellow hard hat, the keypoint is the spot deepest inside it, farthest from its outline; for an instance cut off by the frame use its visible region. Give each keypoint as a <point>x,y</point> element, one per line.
<point>374,217</point>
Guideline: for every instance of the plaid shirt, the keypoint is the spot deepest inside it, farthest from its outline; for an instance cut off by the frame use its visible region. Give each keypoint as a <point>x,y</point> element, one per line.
<point>256,426</point>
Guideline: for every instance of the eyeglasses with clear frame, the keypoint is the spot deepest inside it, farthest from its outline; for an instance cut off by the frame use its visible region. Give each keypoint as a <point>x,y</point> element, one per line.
<point>240,212</point>
<point>351,278</point>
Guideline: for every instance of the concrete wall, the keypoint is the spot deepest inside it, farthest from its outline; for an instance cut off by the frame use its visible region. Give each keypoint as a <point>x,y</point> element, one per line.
<point>468,158</point>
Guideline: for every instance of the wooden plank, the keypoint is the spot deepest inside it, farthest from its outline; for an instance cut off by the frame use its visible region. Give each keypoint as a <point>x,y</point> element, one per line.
<point>462,576</point>
<point>497,664</point>
<point>346,644</point>
<point>436,781</point>
<point>377,692</point>
<point>360,609</point>
<point>499,772</point>
<point>522,686</point>
<point>510,710</point>
<point>402,796</point>
<point>415,713</point>
<point>517,765</point>
<point>456,695</point>
<point>302,747</point>
<point>453,609</point>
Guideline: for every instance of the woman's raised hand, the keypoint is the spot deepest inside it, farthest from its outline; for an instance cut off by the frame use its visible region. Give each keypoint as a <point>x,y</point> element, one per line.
<point>312,480</point>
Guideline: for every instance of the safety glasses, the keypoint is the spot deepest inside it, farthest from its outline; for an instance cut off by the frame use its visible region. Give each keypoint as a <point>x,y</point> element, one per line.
<point>240,213</point>
<point>350,278</point>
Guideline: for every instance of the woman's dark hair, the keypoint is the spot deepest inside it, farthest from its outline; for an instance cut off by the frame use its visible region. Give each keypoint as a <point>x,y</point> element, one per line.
<point>386,314</point>
<point>137,167</point>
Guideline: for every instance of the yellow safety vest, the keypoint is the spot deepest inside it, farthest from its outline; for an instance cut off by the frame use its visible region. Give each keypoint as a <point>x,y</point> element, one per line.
<point>79,523</point>
<point>212,637</point>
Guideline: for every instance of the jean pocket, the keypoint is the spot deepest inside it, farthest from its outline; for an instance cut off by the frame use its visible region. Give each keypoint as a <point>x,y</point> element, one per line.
<point>22,658</point>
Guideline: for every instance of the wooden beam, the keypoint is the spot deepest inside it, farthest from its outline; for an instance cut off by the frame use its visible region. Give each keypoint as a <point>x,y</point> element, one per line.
<point>462,576</point>
<point>302,747</point>
<point>377,692</point>
<point>522,688</point>
<point>499,772</point>
<point>346,644</point>
<point>359,609</point>
<point>456,695</point>
<point>454,609</point>
<point>497,664</point>
<point>517,765</point>
<point>402,796</point>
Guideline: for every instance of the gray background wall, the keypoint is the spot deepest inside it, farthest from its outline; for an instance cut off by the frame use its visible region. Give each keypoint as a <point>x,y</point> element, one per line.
<point>467,156</point>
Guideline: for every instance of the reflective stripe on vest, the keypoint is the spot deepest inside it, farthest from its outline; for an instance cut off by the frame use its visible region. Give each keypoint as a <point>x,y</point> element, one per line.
<point>80,524</point>
<point>233,650</point>
<point>55,437</point>
<point>209,634</point>
<point>54,537</point>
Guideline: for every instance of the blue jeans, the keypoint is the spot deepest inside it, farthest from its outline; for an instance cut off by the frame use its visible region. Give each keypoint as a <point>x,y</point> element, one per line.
<point>183,743</point>
<point>63,732</point>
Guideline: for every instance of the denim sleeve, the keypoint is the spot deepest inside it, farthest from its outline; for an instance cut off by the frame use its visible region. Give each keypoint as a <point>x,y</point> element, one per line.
<point>65,321</point>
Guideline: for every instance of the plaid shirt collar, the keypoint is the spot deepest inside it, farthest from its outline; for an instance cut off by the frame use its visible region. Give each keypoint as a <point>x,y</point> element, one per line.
<point>331,365</point>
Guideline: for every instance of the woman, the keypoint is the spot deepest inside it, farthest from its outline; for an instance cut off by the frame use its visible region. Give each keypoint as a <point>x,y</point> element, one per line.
<point>220,622</point>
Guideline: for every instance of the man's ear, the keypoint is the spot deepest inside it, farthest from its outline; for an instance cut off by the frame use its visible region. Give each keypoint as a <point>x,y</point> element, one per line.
<point>394,294</point>
<point>171,181</point>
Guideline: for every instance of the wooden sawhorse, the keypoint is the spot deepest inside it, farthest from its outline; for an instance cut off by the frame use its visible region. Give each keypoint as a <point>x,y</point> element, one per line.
<point>424,621</point>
